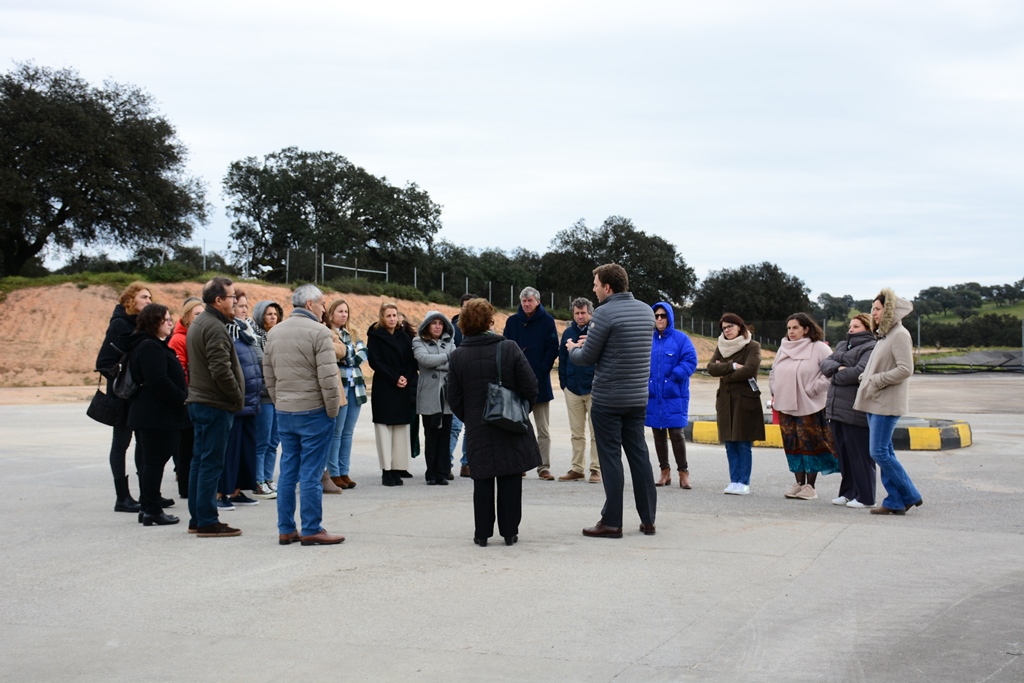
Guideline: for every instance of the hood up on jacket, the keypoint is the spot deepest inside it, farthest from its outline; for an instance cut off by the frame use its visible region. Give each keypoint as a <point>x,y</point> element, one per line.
<point>430,317</point>
<point>260,309</point>
<point>894,310</point>
<point>671,318</point>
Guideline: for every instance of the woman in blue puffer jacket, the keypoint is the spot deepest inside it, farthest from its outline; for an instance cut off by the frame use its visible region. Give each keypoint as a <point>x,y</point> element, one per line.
<point>673,361</point>
<point>240,458</point>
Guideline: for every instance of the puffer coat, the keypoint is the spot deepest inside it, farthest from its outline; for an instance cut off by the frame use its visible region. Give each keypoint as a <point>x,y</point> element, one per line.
<point>492,452</point>
<point>673,360</point>
<point>852,355</point>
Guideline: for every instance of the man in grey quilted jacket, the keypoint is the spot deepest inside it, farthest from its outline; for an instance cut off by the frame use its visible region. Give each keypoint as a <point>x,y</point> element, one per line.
<point>618,344</point>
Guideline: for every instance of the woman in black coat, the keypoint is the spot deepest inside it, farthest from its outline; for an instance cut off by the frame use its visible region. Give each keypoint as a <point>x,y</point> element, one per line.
<point>157,412</point>
<point>850,427</point>
<point>133,299</point>
<point>495,456</point>
<point>394,392</point>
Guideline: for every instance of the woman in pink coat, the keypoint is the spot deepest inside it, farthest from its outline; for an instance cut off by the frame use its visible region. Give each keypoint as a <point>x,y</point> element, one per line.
<point>799,392</point>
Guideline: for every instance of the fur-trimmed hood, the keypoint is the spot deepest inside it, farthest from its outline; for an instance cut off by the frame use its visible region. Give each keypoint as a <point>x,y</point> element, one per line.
<point>894,310</point>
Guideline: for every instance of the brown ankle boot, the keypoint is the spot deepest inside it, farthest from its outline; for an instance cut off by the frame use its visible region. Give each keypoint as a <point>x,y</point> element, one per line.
<point>684,480</point>
<point>666,478</point>
<point>339,482</point>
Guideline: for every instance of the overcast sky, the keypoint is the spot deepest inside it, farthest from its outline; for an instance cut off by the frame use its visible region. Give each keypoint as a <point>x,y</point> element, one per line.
<point>857,144</point>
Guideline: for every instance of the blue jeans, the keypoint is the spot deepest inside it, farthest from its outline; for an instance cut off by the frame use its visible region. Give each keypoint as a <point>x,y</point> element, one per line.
<point>900,491</point>
<point>740,461</point>
<point>305,438</point>
<point>340,453</point>
<point>212,428</point>
<point>267,441</point>
<point>453,442</point>
<point>617,430</point>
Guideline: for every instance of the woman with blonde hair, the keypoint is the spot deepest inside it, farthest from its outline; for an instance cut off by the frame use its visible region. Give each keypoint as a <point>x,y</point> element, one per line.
<point>351,353</point>
<point>735,362</point>
<point>849,427</point>
<point>130,303</point>
<point>394,392</point>
<point>799,391</point>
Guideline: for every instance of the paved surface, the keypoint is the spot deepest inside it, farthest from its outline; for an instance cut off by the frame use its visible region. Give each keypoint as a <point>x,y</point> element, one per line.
<point>754,588</point>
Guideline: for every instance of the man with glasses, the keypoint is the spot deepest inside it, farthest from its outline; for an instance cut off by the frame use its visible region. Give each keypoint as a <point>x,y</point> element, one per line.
<point>216,392</point>
<point>301,371</point>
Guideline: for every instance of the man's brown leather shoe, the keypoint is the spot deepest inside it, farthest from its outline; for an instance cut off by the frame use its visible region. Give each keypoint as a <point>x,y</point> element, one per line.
<point>545,475</point>
<point>572,475</point>
<point>648,529</point>
<point>322,538</point>
<point>288,539</point>
<point>602,531</point>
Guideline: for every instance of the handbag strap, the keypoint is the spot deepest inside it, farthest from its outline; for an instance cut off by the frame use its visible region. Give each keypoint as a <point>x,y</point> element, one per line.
<point>497,358</point>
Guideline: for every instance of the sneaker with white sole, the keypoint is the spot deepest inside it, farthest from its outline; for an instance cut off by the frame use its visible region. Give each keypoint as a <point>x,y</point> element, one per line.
<point>263,491</point>
<point>742,490</point>
<point>793,490</point>
<point>841,500</point>
<point>242,499</point>
<point>857,504</point>
<point>223,505</point>
<point>807,492</point>
<point>731,488</point>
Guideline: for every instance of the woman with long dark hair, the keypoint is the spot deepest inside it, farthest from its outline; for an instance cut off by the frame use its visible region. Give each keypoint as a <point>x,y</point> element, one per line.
<point>133,299</point>
<point>497,458</point>
<point>799,391</point>
<point>157,412</point>
<point>735,362</point>
<point>884,396</point>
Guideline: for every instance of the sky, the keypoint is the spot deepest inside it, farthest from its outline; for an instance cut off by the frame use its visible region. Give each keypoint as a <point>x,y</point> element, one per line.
<point>856,144</point>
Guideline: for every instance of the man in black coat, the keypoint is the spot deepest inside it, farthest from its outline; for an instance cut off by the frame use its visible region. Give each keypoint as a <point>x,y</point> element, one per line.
<point>618,344</point>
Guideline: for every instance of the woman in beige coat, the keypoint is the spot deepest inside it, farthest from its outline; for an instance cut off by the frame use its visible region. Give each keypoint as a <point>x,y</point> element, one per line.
<point>883,395</point>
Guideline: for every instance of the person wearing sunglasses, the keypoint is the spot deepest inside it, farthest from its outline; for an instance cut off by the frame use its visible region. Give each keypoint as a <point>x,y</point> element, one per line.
<point>673,360</point>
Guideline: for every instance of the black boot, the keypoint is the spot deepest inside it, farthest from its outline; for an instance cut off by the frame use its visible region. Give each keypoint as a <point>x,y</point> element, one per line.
<point>386,479</point>
<point>396,476</point>
<point>125,502</point>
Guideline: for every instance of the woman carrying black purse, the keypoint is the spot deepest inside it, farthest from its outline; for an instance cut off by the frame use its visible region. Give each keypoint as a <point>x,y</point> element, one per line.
<point>497,458</point>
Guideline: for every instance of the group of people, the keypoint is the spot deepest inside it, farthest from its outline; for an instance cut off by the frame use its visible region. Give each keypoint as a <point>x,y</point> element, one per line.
<point>221,390</point>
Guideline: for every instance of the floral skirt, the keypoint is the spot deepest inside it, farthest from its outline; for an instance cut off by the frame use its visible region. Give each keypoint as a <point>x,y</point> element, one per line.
<point>807,441</point>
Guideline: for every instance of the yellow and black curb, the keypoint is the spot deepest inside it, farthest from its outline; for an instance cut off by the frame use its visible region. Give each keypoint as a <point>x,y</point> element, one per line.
<point>912,433</point>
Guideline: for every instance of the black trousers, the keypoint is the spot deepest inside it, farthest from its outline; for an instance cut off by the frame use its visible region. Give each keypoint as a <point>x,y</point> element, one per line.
<point>118,450</point>
<point>158,446</point>
<point>510,505</point>
<point>661,438</point>
<point>617,430</point>
<point>855,462</point>
<point>435,447</point>
<point>183,458</point>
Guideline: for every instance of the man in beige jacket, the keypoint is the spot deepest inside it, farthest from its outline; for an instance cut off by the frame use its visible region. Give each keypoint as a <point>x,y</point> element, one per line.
<point>301,373</point>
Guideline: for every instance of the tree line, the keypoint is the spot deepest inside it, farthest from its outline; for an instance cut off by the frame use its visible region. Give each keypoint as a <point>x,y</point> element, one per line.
<point>84,166</point>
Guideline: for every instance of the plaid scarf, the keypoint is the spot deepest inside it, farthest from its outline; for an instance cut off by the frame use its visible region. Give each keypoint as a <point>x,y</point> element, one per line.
<point>351,375</point>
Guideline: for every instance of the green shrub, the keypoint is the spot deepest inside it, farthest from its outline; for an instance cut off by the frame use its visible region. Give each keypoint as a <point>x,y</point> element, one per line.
<point>171,271</point>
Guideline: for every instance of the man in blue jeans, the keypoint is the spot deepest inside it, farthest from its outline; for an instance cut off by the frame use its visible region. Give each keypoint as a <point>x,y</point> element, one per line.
<point>618,343</point>
<point>216,392</point>
<point>301,372</point>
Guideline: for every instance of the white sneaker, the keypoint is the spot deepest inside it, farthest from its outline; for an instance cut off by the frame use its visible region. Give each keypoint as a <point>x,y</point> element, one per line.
<point>856,504</point>
<point>841,500</point>
<point>731,488</point>
<point>742,490</point>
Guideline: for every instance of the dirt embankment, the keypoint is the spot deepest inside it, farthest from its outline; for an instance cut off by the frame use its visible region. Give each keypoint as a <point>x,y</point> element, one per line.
<point>51,335</point>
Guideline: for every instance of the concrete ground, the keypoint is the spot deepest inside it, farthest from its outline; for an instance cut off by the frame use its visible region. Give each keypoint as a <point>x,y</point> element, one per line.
<point>755,588</point>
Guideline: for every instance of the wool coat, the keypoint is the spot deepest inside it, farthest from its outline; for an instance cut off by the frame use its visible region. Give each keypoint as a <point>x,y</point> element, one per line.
<point>391,357</point>
<point>673,360</point>
<point>214,373</point>
<point>299,366</point>
<point>537,336</point>
<point>738,404</point>
<point>432,360</point>
<point>883,386</point>
<point>491,452</point>
<point>852,356</point>
<point>160,400</point>
<point>618,344</point>
<point>797,385</point>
